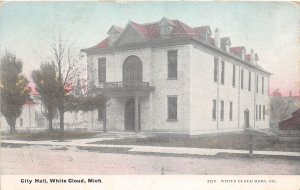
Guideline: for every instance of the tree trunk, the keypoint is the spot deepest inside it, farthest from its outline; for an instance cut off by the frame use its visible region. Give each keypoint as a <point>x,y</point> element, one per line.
<point>61,97</point>
<point>12,124</point>
<point>61,121</point>
<point>50,124</point>
<point>61,110</point>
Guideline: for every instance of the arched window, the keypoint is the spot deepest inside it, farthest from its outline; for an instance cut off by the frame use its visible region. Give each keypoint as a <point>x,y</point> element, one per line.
<point>132,70</point>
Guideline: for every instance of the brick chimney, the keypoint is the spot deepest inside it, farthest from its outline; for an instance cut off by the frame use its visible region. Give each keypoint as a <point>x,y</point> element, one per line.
<point>253,57</point>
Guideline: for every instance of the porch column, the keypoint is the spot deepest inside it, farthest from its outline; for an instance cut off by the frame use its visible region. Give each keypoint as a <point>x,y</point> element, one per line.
<point>136,113</point>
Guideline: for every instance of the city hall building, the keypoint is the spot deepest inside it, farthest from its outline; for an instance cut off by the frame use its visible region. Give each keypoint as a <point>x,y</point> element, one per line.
<point>169,77</point>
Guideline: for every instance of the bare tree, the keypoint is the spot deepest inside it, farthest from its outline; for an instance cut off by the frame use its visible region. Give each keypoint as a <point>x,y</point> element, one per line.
<point>67,63</point>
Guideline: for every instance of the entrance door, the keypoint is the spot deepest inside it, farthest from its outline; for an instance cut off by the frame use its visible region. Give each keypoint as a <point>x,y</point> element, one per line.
<point>129,115</point>
<point>246,118</point>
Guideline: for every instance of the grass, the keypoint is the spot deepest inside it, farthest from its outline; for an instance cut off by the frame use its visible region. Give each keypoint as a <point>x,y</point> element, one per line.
<point>105,149</point>
<point>47,135</point>
<point>7,145</point>
<point>237,141</point>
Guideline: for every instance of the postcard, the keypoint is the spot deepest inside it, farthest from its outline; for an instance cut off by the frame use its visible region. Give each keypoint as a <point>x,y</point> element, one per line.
<point>149,95</point>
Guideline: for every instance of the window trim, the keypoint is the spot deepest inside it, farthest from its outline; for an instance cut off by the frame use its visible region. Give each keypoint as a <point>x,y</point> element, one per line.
<point>103,79</point>
<point>165,30</point>
<point>214,110</point>
<point>233,75</point>
<point>264,112</point>
<point>230,111</point>
<point>168,115</point>
<point>249,82</point>
<point>222,72</point>
<point>222,107</point>
<point>256,114</point>
<point>259,112</point>
<point>168,67</point>
<point>257,83</point>
<point>216,69</point>
<point>242,79</point>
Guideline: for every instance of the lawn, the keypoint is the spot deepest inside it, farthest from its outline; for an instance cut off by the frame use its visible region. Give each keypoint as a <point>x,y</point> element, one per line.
<point>237,141</point>
<point>46,135</point>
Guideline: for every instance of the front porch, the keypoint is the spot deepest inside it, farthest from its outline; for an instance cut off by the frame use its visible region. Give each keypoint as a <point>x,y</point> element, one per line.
<point>126,104</point>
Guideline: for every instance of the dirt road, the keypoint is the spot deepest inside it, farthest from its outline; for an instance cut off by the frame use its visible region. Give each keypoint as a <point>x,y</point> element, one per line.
<point>43,160</point>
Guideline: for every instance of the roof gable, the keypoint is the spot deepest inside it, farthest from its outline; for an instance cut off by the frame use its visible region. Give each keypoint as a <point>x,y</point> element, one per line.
<point>182,28</point>
<point>139,28</point>
<point>115,30</point>
<point>203,30</point>
<point>166,22</point>
<point>132,33</point>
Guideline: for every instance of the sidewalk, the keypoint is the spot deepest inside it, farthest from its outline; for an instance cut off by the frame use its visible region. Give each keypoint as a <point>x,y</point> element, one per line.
<point>151,149</point>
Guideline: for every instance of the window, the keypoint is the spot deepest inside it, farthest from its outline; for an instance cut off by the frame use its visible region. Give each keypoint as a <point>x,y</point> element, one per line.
<point>172,108</point>
<point>35,116</point>
<point>132,70</point>
<point>256,113</point>
<point>100,114</point>
<point>102,70</point>
<point>214,111</point>
<point>223,72</point>
<point>230,111</point>
<point>264,112</point>
<point>165,30</point>
<point>21,122</point>
<point>242,79</point>
<point>259,112</point>
<point>262,85</point>
<point>216,62</point>
<point>206,37</point>
<point>222,110</point>
<point>249,83</point>
<point>233,76</point>
<point>172,64</point>
<point>256,83</point>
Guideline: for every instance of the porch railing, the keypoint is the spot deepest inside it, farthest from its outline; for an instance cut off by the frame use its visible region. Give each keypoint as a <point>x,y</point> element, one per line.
<point>125,84</point>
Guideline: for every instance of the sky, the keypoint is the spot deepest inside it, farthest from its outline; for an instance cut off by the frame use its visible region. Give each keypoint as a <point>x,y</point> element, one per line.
<point>272,29</point>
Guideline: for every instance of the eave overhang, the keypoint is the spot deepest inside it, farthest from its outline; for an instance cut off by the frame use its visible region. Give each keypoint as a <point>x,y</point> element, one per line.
<point>171,42</point>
